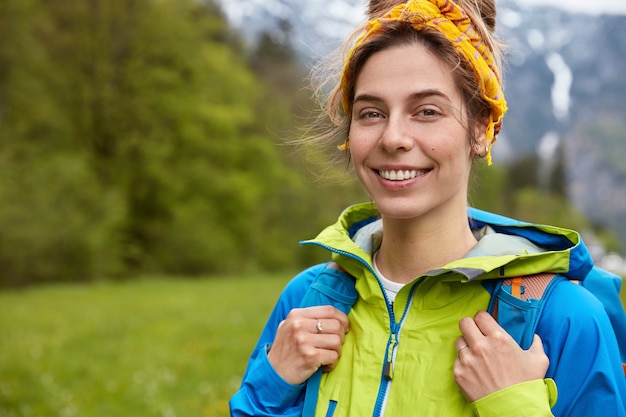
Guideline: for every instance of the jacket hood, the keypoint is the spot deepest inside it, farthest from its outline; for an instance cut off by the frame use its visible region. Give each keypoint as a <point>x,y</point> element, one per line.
<point>505,248</point>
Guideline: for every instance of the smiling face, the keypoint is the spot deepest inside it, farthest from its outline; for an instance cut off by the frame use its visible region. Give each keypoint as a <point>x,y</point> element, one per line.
<point>409,138</point>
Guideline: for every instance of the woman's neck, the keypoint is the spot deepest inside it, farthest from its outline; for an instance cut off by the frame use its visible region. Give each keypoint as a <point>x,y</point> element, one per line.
<point>411,248</point>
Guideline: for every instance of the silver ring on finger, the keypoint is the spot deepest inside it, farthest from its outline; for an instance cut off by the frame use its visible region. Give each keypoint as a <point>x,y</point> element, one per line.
<point>458,352</point>
<point>319,326</point>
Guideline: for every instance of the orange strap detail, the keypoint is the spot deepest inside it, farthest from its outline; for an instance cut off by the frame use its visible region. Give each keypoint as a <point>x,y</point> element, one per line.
<point>624,366</point>
<point>516,287</point>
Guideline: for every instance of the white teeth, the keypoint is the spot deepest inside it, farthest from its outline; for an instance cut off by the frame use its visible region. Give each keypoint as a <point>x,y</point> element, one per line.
<point>398,175</point>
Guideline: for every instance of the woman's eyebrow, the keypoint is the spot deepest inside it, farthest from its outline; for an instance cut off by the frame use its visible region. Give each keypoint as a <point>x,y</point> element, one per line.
<point>367,97</point>
<point>418,95</point>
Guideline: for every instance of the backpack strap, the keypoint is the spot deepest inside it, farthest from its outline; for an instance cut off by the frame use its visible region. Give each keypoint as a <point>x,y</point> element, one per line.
<point>516,304</point>
<point>333,286</point>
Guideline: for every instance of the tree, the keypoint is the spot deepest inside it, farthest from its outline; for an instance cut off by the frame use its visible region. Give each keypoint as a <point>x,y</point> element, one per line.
<point>130,142</point>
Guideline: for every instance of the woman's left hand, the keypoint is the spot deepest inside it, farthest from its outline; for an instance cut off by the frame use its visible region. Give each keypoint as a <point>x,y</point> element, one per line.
<point>489,359</point>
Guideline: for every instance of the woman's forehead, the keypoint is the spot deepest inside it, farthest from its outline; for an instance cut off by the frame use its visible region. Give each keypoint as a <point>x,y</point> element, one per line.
<point>405,69</point>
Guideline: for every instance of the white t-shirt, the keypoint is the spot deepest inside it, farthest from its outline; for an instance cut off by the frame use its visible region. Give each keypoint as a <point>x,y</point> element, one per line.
<point>391,288</point>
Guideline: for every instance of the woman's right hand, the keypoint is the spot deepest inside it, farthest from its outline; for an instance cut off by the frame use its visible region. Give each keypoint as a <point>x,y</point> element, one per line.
<point>307,339</point>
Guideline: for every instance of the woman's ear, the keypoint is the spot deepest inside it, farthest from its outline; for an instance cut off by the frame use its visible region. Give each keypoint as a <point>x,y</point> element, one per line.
<point>480,145</point>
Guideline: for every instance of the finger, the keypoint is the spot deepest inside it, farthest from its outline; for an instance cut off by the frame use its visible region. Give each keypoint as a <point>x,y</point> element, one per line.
<point>319,326</point>
<point>327,312</point>
<point>462,349</point>
<point>492,330</point>
<point>470,331</point>
<point>537,346</point>
<point>333,265</point>
<point>327,327</point>
<point>539,356</point>
<point>460,343</point>
<point>342,318</point>
<point>487,324</point>
<point>328,368</point>
<point>329,359</point>
<point>327,342</point>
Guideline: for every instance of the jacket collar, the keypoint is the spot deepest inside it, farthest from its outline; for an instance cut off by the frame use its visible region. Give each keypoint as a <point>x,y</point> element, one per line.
<point>506,247</point>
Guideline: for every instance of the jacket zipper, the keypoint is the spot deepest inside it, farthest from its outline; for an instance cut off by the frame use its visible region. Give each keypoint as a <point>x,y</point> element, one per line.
<point>392,348</point>
<point>394,337</point>
<point>388,366</point>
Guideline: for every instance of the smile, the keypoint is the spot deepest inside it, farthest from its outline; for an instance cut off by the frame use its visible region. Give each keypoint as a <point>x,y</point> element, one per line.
<point>400,175</point>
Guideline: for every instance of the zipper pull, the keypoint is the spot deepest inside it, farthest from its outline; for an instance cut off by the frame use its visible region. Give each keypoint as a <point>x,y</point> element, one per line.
<point>388,371</point>
<point>388,367</point>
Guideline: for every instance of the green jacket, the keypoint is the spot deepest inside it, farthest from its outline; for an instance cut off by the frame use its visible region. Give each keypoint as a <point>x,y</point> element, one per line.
<point>397,359</point>
<point>416,335</point>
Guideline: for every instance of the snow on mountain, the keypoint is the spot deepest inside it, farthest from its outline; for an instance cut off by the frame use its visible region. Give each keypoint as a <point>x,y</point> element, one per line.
<point>317,25</point>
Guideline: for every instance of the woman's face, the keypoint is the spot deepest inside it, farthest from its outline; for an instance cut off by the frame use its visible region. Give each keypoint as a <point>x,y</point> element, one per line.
<point>408,134</point>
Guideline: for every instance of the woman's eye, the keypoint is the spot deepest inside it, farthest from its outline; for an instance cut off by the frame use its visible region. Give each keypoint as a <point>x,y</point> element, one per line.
<point>370,114</point>
<point>428,112</point>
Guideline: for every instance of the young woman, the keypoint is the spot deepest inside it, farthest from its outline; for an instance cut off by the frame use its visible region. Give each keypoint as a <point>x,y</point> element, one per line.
<point>419,100</point>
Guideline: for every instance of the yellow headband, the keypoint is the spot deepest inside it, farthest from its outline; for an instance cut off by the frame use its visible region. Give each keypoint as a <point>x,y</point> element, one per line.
<point>449,19</point>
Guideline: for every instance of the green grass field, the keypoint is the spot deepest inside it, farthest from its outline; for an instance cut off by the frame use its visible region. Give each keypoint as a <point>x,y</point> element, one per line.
<point>165,348</point>
<point>162,348</point>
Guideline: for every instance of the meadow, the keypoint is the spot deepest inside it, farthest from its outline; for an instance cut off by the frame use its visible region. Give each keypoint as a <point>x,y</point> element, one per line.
<point>143,348</point>
<point>153,347</point>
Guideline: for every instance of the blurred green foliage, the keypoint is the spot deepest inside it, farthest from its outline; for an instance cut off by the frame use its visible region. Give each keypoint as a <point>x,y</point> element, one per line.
<point>139,135</point>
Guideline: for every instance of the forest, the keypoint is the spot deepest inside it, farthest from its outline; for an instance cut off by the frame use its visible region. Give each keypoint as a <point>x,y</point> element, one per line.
<point>144,137</point>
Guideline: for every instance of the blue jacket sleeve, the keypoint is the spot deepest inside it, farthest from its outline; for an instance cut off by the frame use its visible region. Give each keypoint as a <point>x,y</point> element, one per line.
<point>263,392</point>
<point>584,356</point>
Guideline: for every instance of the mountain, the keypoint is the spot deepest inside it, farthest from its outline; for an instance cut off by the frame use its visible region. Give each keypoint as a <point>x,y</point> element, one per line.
<point>565,84</point>
<point>566,89</point>
<point>317,26</point>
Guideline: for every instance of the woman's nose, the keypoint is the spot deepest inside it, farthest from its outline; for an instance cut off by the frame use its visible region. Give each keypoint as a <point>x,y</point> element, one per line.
<point>396,135</point>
